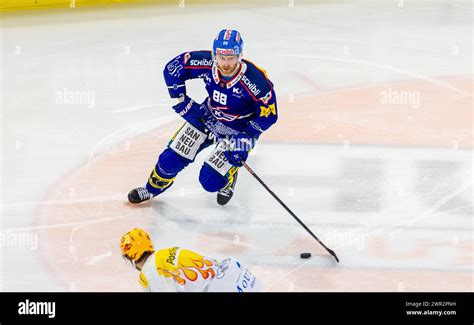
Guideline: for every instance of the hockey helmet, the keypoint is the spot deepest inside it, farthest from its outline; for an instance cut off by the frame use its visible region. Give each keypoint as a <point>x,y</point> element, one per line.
<point>135,243</point>
<point>228,42</point>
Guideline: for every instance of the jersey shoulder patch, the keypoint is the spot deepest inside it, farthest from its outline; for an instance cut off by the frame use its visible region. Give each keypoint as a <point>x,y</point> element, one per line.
<point>256,81</point>
<point>197,59</point>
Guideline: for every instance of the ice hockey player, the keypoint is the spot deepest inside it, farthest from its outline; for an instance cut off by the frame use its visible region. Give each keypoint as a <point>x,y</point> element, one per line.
<point>178,270</point>
<point>240,106</point>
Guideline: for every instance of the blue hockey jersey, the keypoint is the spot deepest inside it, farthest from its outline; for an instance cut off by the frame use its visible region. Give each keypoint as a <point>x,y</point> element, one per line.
<point>245,103</point>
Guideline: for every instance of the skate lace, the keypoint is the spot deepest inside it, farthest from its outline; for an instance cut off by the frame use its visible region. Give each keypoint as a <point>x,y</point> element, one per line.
<point>227,191</point>
<point>143,193</point>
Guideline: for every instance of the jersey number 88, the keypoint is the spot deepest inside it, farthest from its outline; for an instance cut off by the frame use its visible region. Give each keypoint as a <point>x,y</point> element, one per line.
<point>219,97</point>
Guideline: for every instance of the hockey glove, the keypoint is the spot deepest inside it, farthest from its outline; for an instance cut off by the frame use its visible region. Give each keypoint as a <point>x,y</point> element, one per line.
<point>191,111</point>
<point>240,148</point>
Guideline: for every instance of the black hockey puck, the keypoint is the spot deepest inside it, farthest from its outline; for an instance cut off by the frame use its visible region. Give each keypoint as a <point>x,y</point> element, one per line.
<point>305,255</point>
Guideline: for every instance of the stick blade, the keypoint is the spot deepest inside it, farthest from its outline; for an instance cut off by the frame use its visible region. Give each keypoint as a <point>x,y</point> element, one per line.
<point>333,254</point>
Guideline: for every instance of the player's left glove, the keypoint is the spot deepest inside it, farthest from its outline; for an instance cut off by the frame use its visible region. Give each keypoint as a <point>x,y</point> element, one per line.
<point>240,148</point>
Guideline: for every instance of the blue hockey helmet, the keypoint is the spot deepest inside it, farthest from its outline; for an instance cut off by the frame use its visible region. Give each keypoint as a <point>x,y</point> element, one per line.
<point>228,42</point>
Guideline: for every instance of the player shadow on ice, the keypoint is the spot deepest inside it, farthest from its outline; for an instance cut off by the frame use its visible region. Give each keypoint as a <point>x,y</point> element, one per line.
<point>205,216</point>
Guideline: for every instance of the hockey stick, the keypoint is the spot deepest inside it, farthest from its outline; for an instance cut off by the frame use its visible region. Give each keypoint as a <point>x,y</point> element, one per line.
<point>250,170</point>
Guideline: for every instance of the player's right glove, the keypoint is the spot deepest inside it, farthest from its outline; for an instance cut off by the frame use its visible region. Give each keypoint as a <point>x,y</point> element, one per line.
<point>191,111</point>
<point>185,107</point>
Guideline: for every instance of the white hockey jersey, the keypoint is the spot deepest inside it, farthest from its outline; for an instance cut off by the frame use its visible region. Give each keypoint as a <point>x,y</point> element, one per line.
<point>179,270</point>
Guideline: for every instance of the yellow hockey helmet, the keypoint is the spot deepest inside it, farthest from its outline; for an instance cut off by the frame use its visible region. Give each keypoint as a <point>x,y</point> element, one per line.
<point>135,243</point>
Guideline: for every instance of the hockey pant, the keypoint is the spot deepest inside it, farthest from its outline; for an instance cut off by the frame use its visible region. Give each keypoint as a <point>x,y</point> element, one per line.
<point>216,173</point>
